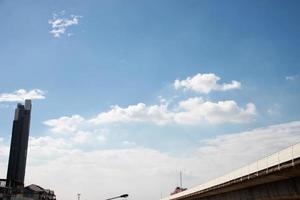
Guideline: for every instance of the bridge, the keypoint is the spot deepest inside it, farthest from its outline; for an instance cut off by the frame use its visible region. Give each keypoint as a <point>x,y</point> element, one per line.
<point>275,177</point>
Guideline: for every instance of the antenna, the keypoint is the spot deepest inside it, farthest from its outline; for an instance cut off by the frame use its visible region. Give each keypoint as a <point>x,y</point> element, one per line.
<point>180,179</point>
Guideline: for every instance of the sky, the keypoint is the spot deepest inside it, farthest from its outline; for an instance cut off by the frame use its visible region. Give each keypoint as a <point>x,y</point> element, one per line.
<point>128,93</point>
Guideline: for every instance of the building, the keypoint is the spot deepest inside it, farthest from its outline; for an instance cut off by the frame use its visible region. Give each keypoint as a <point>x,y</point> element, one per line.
<point>12,188</point>
<point>177,190</point>
<point>18,146</point>
<point>37,192</point>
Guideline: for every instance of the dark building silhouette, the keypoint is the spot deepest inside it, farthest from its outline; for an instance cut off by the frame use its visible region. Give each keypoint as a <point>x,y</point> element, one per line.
<point>36,192</point>
<point>177,190</point>
<point>12,188</point>
<point>18,146</point>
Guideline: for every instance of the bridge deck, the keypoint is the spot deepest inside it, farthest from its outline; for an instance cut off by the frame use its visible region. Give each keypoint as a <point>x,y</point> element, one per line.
<point>262,170</point>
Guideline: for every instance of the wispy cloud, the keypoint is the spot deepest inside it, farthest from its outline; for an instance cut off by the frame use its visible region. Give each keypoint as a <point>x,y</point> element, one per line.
<point>274,110</point>
<point>21,95</point>
<point>59,24</point>
<point>205,83</point>
<point>291,78</point>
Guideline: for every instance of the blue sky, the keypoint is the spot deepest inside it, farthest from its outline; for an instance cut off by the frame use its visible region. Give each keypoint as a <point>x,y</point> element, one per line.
<point>124,53</point>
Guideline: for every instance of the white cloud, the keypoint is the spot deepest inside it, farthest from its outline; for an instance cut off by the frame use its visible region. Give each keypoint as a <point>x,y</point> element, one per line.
<point>59,24</point>
<point>205,83</point>
<point>3,148</point>
<point>120,171</point>
<point>76,130</point>
<point>101,138</point>
<point>192,111</point>
<point>135,113</point>
<point>195,111</point>
<point>80,137</point>
<point>291,78</point>
<point>248,146</point>
<point>128,143</point>
<point>65,124</point>
<point>43,149</point>
<point>21,95</point>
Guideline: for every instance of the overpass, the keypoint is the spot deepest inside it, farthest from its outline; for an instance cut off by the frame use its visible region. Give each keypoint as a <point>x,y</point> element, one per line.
<point>275,177</point>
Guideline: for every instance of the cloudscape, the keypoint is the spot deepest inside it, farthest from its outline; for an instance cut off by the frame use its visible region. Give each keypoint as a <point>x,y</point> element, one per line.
<point>128,94</point>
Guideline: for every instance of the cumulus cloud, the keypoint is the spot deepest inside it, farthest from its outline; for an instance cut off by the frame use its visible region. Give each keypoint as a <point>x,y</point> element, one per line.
<point>80,137</point>
<point>195,111</point>
<point>123,170</point>
<point>205,83</point>
<point>135,113</point>
<point>192,111</point>
<point>59,24</point>
<point>21,95</point>
<point>47,148</point>
<point>65,124</point>
<point>76,129</point>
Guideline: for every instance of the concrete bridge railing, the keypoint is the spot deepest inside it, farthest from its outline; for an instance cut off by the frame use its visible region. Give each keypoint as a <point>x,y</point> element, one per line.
<point>275,160</point>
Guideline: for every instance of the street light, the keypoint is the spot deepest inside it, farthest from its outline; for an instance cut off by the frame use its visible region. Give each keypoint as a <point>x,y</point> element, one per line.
<point>121,196</point>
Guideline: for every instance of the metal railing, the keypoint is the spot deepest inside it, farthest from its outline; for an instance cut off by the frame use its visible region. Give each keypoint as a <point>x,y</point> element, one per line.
<point>275,160</point>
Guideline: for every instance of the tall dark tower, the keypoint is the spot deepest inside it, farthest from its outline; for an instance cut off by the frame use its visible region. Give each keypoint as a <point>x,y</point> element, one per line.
<point>18,146</point>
